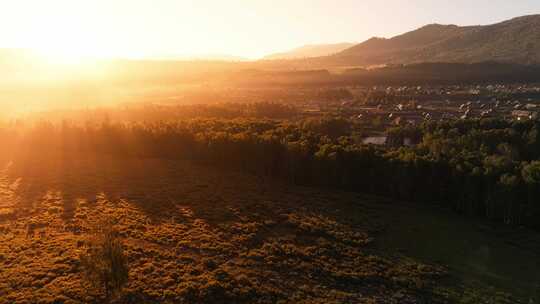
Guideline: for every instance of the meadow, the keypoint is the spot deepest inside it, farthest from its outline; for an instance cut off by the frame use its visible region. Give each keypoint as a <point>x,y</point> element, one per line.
<point>192,234</point>
<point>248,210</point>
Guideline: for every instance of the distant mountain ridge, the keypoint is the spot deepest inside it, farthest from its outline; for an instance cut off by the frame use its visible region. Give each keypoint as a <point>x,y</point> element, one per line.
<point>312,50</point>
<point>199,57</point>
<point>512,41</point>
<point>515,41</point>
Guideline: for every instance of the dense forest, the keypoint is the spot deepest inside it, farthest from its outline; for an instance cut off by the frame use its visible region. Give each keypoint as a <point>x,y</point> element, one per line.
<point>486,168</point>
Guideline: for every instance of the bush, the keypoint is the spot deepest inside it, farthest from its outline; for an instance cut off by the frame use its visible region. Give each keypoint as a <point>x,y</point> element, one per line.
<point>104,263</point>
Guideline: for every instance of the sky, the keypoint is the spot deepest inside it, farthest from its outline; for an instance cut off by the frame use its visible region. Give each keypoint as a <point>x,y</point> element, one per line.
<point>246,28</point>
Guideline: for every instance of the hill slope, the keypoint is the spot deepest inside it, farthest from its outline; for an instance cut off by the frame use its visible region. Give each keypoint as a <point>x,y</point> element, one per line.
<point>513,41</point>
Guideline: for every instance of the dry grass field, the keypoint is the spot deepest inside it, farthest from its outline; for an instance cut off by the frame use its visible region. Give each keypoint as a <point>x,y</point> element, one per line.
<point>194,234</point>
<point>191,235</point>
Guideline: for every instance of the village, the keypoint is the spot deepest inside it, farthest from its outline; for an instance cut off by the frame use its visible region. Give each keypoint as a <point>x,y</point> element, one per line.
<point>380,108</point>
<point>386,106</point>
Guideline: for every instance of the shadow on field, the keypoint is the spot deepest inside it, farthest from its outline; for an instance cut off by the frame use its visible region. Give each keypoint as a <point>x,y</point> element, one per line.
<point>251,227</point>
<point>152,187</point>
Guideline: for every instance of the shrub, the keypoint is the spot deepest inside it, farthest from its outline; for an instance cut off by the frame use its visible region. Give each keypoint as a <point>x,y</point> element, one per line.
<point>104,264</point>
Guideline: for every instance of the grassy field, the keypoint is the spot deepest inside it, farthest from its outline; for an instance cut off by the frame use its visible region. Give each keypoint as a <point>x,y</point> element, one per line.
<point>193,234</point>
<point>485,263</point>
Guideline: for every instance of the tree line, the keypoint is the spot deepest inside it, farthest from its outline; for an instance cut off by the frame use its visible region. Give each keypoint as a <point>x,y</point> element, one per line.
<point>488,168</point>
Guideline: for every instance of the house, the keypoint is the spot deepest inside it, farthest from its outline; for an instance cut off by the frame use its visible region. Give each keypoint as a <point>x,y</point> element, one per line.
<point>521,114</point>
<point>374,140</point>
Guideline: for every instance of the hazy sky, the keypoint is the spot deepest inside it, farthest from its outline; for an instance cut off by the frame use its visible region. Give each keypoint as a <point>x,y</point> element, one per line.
<point>249,28</point>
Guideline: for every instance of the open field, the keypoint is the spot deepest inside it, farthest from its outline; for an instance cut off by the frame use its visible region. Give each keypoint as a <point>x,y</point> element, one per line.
<point>194,234</point>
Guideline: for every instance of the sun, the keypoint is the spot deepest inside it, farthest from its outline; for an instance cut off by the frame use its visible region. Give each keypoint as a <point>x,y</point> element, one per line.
<point>77,51</point>
<point>66,40</point>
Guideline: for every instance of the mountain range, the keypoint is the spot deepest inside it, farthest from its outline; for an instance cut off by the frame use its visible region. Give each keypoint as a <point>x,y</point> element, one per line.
<point>515,41</point>
<point>512,41</point>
